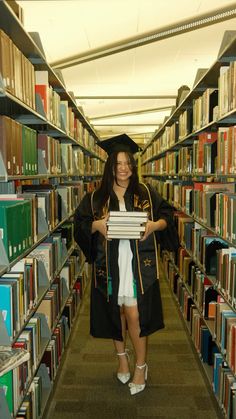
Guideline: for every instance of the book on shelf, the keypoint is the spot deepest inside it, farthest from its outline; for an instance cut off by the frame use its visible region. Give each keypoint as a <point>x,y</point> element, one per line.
<point>210,246</point>
<point>203,139</point>
<point>5,62</point>
<point>18,147</point>
<point>6,382</point>
<point>8,295</point>
<point>11,358</point>
<point>206,340</point>
<point>48,359</point>
<point>42,89</point>
<point>210,299</point>
<point>16,281</point>
<point>227,317</point>
<point>218,359</point>
<point>209,157</point>
<point>47,200</point>
<point>28,269</point>
<point>17,71</point>
<point>17,9</point>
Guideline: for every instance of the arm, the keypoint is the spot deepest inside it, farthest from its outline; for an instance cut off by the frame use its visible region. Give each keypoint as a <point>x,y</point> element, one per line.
<point>162,214</point>
<point>83,221</point>
<point>168,237</point>
<point>86,229</point>
<point>100,226</point>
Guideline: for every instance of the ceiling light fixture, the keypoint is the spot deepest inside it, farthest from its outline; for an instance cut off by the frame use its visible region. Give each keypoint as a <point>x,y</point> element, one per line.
<point>110,97</point>
<point>138,112</point>
<point>198,22</point>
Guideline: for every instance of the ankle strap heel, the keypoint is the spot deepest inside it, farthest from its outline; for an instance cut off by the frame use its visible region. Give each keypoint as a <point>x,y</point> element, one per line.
<point>141,367</point>
<point>123,377</point>
<point>137,388</point>
<point>123,353</point>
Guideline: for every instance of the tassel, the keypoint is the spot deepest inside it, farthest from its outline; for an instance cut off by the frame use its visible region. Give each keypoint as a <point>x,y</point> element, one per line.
<point>109,285</point>
<point>135,288</point>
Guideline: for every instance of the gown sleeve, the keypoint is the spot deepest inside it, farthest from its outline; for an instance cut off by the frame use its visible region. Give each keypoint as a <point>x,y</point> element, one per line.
<point>161,208</point>
<point>83,228</point>
<point>167,238</point>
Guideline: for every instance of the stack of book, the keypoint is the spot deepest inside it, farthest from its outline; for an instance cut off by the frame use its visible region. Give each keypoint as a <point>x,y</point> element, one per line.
<point>126,224</point>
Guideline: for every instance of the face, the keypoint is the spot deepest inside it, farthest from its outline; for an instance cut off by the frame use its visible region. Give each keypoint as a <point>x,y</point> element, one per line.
<point>123,168</point>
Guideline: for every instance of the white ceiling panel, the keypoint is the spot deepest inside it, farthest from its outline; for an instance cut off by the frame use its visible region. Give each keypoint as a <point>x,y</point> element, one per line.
<point>70,27</point>
<point>157,68</point>
<point>103,107</point>
<point>115,130</point>
<point>73,27</point>
<point>156,14</point>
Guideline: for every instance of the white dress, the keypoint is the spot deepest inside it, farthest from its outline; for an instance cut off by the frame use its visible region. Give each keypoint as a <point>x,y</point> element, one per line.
<point>125,256</point>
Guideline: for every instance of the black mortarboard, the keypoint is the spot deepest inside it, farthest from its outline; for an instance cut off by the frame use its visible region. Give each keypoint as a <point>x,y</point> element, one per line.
<point>119,143</point>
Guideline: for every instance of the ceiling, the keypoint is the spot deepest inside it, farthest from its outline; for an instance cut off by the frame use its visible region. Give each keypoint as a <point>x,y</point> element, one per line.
<point>133,89</point>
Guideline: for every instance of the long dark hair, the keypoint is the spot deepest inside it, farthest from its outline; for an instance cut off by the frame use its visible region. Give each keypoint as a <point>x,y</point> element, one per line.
<point>109,176</point>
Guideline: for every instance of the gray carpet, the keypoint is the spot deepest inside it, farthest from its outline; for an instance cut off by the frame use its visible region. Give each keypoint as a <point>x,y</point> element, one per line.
<point>87,387</point>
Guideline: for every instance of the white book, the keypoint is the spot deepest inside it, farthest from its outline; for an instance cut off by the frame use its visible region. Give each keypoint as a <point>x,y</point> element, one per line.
<point>131,235</point>
<point>125,228</point>
<point>129,214</point>
<point>124,220</point>
<point>41,77</point>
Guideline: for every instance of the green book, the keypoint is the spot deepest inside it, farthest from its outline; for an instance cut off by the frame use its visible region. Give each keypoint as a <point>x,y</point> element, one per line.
<point>4,231</point>
<point>24,151</point>
<point>6,226</point>
<point>6,382</point>
<point>35,151</point>
<point>16,236</point>
<point>233,221</point>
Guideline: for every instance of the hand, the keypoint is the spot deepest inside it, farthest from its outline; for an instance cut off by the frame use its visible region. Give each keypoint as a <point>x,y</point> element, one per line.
<point>151,226</point>
<point>100,226</point>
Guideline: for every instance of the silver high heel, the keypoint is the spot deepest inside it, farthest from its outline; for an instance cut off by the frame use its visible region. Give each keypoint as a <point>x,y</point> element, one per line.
<point>137,388</point>
<point>123,377</point>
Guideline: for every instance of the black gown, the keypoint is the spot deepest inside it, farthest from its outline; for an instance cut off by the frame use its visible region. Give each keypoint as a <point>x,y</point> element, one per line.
<point>104,311</point>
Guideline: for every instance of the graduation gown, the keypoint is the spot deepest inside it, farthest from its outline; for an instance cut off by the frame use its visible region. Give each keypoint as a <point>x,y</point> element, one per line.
<point>104,311</point>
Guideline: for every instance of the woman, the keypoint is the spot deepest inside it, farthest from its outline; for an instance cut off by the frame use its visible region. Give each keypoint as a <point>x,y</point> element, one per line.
<point>125,290</point>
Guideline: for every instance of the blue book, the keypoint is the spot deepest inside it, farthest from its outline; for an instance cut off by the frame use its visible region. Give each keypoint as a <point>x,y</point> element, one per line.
<point>206,340</point>
<point>224,315</point>
<point>188,234</point>
<point>218,359</point>
<point>10,280</point>
<point>6,307</point>
<point>64,115</point>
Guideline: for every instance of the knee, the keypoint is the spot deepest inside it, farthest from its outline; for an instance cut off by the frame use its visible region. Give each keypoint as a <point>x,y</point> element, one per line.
<point>122,312</point>
<point>132,316</point>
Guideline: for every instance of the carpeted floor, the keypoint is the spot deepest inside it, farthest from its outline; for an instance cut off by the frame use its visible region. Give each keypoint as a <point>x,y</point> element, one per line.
<point>87,387</point>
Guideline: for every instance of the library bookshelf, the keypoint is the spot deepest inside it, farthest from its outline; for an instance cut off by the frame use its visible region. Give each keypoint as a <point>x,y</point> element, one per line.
<point>49,158</point>
<point>191,160</point>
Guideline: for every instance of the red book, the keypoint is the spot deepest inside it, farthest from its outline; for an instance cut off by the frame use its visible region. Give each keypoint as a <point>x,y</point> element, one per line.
<point>44,145</point>
<point>42,90</point>
<point>203,138</point>
<point>232,349</point>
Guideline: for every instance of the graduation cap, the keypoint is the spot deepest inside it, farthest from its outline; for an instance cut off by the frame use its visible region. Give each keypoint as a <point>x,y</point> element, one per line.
<point>119,143</point>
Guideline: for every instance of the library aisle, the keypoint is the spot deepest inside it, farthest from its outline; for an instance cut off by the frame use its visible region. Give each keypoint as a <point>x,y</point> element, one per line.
<point>87,386</point>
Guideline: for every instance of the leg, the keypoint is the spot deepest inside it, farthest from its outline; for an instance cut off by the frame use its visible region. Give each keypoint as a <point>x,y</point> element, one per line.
<point>139,343</point>
<point>120,346</point>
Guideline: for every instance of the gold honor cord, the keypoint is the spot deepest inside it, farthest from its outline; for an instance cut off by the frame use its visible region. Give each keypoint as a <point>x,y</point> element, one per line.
<point>154,236</point>
<point>139,270</point>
